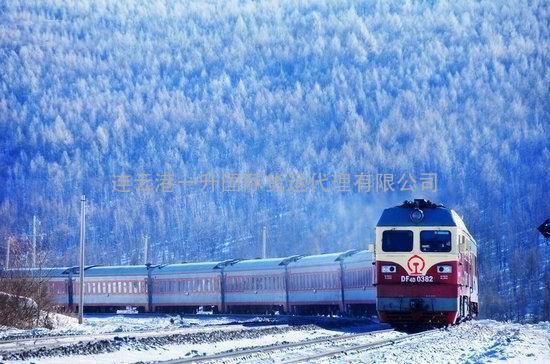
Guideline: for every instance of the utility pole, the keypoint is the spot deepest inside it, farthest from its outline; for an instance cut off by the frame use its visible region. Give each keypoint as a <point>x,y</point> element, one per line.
<point>34,241</point>
<point>8,248</point>
<point>146,249</point>
<point>81,273</point>
<point>264,242</point>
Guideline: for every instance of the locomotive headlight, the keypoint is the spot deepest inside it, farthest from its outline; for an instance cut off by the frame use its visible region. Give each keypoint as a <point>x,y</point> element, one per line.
<point>388,269</point>
<point>444,269</point>
<point>416,215</point>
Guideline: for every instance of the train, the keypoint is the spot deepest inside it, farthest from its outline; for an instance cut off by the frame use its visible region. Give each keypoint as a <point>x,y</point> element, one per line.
<point>420,270</point>
<point>426,266</point>
<point>315,284</point>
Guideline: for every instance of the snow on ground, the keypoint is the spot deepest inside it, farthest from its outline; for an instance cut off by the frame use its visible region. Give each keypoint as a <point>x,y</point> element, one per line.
<point>99,324</point>
<point>58,322</point>
<point>244,332</point>
<point>132,355</point>
<point>482,341</point>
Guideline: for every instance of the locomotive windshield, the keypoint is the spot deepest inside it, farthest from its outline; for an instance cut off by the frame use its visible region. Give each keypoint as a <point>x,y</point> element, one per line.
<point>397,241</point>
<point>435,241</point>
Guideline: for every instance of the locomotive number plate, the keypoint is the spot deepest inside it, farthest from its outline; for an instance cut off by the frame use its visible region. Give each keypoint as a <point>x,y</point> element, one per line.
<point>417,279</point>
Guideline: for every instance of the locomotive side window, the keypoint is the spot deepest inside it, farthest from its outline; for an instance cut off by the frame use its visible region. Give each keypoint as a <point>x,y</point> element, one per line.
<point>397,241</point>
<point>435,241</point>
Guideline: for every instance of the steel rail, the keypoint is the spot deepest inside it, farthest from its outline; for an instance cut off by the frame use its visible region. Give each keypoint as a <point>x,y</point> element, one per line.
<point>272,348</point>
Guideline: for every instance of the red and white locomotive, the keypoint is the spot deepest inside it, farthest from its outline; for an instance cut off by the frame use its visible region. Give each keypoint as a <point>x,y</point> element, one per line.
<point>425,266</point>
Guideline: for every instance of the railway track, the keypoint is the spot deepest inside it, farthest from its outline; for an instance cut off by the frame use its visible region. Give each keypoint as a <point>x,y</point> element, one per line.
<point>18,345</point>
<point>289,349</point>
<point>240,321</point>
<point>358,348</point>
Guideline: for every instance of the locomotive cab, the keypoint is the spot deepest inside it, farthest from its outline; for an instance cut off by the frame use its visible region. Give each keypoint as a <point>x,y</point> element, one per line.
<point>425,266</point>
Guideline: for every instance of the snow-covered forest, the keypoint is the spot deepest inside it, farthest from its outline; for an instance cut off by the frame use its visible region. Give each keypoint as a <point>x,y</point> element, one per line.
<point>113,99</point>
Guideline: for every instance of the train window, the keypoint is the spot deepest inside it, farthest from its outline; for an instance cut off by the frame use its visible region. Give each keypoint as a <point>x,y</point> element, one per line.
<point>397,241</point>
<point>435,241</point>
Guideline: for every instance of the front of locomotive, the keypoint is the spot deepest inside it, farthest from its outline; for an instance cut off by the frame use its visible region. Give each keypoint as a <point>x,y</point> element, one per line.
<point>416,253</point>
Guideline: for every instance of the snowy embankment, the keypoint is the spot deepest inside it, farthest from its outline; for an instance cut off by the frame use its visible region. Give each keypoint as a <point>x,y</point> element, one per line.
<point>150,338</point>
<point>101,324</point>
<point>483,341</point>
<point>27,306</point>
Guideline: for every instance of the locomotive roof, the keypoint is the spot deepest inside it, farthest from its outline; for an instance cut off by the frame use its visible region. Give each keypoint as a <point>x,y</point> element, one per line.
<point>269,263</point>
<point>434,215</point>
